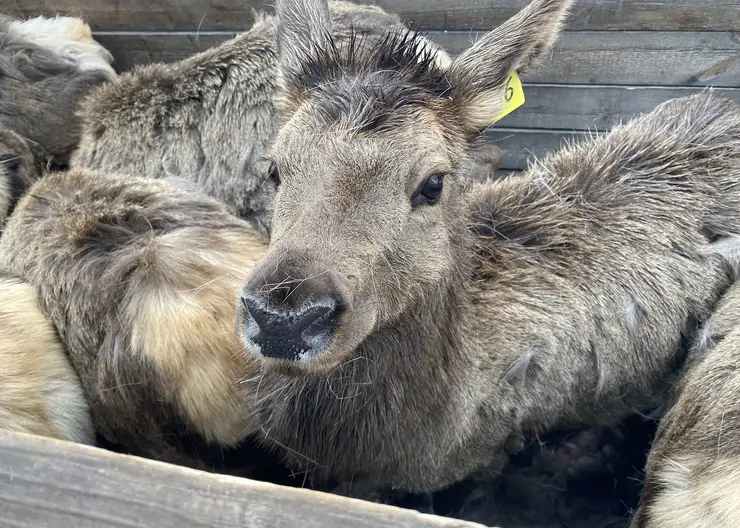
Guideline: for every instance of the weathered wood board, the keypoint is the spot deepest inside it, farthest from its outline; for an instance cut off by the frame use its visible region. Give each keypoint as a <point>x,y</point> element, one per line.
<point>579,57</point>
<point>49,483</point>
<point>592,107</point>
<point>595,77</point>
<point>520,145</point>
<point>631,57</point>
<point>669,15</point>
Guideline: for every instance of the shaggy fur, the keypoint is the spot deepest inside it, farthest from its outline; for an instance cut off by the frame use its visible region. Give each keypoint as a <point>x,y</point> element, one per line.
<point>39,391</point>
<point>209,118</point>
<point>563,297</point>
<point>140,279</point>
<point>18,170</point>
<point>47,65</point>
<point>693,476</point>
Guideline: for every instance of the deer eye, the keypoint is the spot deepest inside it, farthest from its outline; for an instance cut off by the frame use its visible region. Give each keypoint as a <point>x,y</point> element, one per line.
<point>273,173</point>
<point>429,191</point>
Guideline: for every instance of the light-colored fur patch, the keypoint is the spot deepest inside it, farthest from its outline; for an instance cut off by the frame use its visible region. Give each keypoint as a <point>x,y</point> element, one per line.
<point>68,37</point>
<point>40,393</point>
<point>183,312</point>
<point>482,109</point>
<point>441,58</point>
<point>693,498</point>
<point>727,247</point>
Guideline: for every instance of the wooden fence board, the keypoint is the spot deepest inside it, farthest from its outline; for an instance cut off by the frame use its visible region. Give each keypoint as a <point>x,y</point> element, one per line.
<point>130,49</point>
<point>712,15</point>
<point>520,145</point>
<point>592,107</point>
<point>580,57</point>
<point>631,57</point>
<point>145,14</point>
<point>49,483</point>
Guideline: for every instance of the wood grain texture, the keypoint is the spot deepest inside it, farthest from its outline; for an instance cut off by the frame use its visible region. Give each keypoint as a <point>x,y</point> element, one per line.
<point>712,15</point>
<point>145,14</point>
<point>586,14</point>
<point>592,107</point>
<point>49,483</point>
<point>581,57</point>
<point>631,57</point>
<point>520,145</point>
<point>132,48</point>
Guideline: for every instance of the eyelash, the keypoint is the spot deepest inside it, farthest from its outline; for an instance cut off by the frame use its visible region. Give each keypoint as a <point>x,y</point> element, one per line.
<point>430,191</point>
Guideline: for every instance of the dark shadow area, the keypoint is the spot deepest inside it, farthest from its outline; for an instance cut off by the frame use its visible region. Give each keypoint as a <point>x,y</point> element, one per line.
<point>589,478</point>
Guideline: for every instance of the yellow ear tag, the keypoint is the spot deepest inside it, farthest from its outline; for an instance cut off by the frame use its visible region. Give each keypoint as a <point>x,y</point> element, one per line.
<point>513,96</point>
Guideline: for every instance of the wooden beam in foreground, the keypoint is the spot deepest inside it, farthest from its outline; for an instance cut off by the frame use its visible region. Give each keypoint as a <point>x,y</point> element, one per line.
<point>50,483</point>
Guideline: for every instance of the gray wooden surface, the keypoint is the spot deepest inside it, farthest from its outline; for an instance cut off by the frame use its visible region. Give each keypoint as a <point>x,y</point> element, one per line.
<point>616,59</point>
<point>429,14</point>
<point>48,483</point>
<point>579,57</point>
<point>520,145</point>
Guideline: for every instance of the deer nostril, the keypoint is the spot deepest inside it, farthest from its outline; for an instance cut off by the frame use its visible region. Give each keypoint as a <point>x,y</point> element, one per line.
<point>289,333</point>
<point>308,317</point>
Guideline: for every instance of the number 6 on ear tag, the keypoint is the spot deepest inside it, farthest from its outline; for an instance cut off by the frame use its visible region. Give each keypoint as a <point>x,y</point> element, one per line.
<point>513,96</point>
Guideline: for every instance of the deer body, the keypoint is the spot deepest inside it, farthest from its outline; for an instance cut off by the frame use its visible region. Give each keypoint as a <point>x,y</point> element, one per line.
<point>140,280</point>
<point>40,392</point>
<point>692,478</point>
<point>412,328</point>
<point>47,65</point>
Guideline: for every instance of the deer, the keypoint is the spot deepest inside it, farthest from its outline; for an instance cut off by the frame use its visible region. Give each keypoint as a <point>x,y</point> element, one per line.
<point>139,278</point>
<point>130,373</point>
<point>692,478</point>
<point>208,119</point>
<point>47,66</point>
<point>412,328</point>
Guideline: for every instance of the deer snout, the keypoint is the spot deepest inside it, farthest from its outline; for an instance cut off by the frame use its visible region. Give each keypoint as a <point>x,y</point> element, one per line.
<point>282,333</point>
<point>292,316</point>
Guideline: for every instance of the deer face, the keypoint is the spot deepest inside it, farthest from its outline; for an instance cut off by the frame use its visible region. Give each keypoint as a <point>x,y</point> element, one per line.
<point>369,213</point>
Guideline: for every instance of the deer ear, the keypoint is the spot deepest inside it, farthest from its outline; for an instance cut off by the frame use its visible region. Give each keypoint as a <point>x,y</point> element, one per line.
<point>303,26</point>
<point>478,75</point>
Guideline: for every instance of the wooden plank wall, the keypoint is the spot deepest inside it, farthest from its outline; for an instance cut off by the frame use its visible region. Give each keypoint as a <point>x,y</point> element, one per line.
<point>617,58</point>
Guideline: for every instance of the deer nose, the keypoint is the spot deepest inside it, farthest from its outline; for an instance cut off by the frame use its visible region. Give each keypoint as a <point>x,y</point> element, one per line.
<point>292,334</point>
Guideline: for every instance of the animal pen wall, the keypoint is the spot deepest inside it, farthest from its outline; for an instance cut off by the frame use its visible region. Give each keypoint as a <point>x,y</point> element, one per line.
<point>616,59</point>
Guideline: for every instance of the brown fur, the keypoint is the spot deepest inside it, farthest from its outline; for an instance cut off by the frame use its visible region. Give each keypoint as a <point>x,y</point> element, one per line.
<point>141,280</point>
<point>693,474</point>
<point>558,298</point>
<point>210,118</point>
<point>47,65</point>
<point>19,168</point>
<point>39,391</point>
